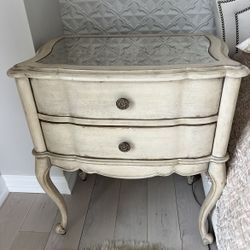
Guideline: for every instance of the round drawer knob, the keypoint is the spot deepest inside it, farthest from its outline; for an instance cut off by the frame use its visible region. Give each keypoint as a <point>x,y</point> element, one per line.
<point>124,147</point>
<point>122,103</point>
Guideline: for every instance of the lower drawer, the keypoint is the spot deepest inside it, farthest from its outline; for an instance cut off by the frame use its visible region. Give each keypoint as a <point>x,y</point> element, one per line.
<point>129,143</point>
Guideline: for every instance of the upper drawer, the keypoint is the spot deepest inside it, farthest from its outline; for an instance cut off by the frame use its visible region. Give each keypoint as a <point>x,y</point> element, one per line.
<point>128,100</point>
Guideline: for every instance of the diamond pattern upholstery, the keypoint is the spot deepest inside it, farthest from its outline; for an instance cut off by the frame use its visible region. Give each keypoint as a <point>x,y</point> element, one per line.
<point>135,16</point>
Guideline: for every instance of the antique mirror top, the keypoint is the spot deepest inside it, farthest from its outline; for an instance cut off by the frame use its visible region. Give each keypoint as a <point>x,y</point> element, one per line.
<point>131,51</point>
<point>138,53</point>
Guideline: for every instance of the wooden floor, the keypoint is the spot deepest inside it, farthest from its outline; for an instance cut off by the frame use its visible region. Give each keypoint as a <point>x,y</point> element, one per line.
<point>157,210</point>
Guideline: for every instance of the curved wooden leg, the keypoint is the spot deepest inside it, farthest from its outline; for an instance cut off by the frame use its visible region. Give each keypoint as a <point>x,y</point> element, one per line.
<point>190,179</point>
<point>82,175</point>
<point>217,172</point>
<point>43,166</point>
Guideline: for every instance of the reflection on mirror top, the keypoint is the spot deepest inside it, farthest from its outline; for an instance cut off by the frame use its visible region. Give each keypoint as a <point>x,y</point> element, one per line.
<point>131,51</point>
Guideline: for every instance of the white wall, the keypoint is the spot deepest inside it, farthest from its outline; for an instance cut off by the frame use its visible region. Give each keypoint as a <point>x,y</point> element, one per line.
<point>44,20</point>
<point>16,45</point>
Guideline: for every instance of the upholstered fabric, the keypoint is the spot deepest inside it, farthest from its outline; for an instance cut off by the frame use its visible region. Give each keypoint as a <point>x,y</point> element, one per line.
<point>127,245</point>
<point>232,21</point>
<point>232,214</point>
<point>233,208</point>
<point>116,16</point>
<point>245,47</point>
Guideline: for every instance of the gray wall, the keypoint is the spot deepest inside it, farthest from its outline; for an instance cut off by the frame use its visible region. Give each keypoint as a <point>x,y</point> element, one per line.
<point>18,42</point>
<point>44,20</point>
<point>109,16</point>
<point>16,45</point>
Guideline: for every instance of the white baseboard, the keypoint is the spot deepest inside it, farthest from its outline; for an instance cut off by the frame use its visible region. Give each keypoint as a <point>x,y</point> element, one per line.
<point>3,191</point>
<point>29,184</point>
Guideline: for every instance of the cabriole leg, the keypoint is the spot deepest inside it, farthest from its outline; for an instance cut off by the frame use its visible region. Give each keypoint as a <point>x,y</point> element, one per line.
<point>43,166</point>
<point>217,172</point>
<point>190,179</point>
<point>82,175</point>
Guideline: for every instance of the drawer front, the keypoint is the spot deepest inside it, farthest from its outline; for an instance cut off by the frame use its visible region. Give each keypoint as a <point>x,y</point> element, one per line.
<point>129,143</point>
<point>128,100</point>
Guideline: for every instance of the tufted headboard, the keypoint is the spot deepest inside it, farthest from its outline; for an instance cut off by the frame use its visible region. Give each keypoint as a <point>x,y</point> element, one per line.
<point>232,21</point>
<point>116,16</point>
<point>232,17</point>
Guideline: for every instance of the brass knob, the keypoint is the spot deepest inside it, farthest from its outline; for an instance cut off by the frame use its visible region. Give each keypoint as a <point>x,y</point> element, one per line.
<point>124,146</point>
<point>122,103</point>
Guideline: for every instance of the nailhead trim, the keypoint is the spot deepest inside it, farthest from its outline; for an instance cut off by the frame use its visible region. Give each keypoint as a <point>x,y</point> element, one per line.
<point>237,25</point>
<point>222,17</point>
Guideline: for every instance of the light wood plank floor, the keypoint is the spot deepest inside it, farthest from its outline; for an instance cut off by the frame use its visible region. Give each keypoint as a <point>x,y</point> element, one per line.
<point>158,210</point>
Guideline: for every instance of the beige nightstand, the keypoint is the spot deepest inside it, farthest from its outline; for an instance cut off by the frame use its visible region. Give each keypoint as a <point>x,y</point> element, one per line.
<point>131,106</point>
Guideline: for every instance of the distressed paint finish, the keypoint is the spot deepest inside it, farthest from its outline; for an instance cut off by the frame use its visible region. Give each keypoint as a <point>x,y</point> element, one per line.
<point>155,100</point>
<point>178,119</point>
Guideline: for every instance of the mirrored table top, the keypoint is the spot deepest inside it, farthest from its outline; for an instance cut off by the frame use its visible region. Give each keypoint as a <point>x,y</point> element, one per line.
<point>130,51</point>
